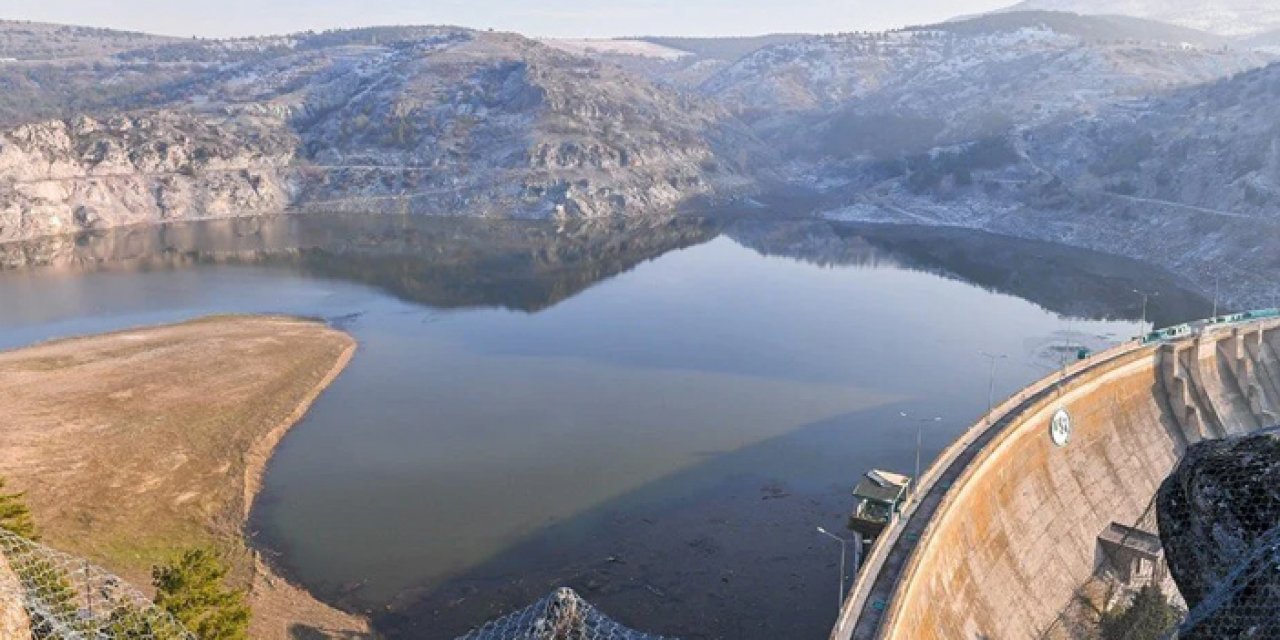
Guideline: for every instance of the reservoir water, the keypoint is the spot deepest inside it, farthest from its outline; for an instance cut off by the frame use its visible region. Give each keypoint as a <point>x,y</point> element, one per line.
<point>656,414</point>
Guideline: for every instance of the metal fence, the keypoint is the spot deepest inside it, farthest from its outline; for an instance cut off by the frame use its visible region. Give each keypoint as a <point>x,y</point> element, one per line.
<point>563,615</point>
<point>48,595</point>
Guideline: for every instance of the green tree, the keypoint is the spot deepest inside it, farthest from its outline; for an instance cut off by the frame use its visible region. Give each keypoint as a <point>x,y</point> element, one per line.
<point>14,514</point>
<point>192,589</point>
<point>1150,617</point>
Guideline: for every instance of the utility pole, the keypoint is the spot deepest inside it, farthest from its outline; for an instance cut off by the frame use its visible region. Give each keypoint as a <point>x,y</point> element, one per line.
<point>920,422</point>
<point>1217,282</point>
<point>840,601</point>
<point>991,380</point>
<point>1145,296</point>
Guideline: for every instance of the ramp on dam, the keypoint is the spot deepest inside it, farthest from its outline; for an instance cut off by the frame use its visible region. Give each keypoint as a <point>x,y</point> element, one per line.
<point>1006,527</point>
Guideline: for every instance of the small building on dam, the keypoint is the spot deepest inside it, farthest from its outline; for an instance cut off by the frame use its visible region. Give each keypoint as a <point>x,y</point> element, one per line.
<point>1032,502</point>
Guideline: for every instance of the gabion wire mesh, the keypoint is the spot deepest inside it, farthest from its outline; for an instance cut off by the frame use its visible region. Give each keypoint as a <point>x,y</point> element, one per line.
<point>49,595</point>
<point>1220,521</point>
<point>563,615</point>
<point>1246,603</point>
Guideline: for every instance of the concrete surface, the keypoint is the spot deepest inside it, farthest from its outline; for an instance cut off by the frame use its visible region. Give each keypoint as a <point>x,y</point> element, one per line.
<point>1007,525</point>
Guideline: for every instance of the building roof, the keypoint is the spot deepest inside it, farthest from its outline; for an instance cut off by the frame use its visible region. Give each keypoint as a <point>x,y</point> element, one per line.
<point>884,478</point>
<point>1147,544</point>
<point>882,486</point>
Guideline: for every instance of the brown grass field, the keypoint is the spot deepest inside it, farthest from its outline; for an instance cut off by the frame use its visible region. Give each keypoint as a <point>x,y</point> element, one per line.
<point>134,445</point>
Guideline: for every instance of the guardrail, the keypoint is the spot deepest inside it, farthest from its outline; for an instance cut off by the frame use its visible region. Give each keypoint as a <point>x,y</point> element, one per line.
<point>1180,331</point>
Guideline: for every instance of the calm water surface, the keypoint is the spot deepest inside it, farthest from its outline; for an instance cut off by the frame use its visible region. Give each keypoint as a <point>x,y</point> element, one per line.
<point>655,414</point>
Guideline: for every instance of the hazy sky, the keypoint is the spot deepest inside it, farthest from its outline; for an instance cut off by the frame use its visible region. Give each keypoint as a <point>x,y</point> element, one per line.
<point>532,17</point>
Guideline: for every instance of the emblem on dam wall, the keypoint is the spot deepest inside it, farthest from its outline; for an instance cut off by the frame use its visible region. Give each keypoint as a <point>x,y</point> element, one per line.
<point>1060,428</point>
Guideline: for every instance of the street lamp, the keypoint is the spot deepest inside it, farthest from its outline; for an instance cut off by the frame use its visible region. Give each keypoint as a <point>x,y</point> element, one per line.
<point>842,541</point>
<point>920,422</point>
<point>991,381</point>
<point>1145,296</point>
<point>1217,287</point>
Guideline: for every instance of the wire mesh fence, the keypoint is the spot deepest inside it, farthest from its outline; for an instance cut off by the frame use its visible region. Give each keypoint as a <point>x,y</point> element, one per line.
<point>49,595</point>
<point>1246,603</point>
<point>1220,512</point>
<point>563,615</point>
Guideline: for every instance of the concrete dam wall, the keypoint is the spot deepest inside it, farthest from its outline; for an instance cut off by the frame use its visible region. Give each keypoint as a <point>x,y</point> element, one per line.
<point>1005,526</point>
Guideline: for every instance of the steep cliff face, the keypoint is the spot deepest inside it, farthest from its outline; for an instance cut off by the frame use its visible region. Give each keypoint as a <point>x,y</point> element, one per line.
<point>1219,518</point>
<point>61,176</point>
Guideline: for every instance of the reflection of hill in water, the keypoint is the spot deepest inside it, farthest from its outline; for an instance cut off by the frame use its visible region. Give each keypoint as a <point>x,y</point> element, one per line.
<point>442,262</point>
<point>532,265</point>
<point>1068,281</point>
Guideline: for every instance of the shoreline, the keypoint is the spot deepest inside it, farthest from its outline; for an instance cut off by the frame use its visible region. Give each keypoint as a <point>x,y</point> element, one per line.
<point>266,581</point>
<point>259,455</point>
<point>162,435</point>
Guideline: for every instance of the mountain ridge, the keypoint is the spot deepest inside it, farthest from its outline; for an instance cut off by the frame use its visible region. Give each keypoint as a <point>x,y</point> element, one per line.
<point>1224,17</point>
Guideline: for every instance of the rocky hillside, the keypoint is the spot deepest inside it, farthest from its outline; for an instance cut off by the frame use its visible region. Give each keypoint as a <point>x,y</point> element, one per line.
<point>1215,147</point>
<point>1189,181</point>
<point>83,173</point>
<point>1224,17</point>
<point>911,90</point>
<point>428,120</point>
<point>1111,133</point>
<point>1115,133</point>
<point>1219,515</point>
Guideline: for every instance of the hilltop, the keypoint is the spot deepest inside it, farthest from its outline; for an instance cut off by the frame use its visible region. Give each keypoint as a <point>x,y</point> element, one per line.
<point>1223,17</point>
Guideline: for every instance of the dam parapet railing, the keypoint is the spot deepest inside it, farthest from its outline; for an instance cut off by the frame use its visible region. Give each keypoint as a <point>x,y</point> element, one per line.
<point>1182,331</point>
<point>873,602</point>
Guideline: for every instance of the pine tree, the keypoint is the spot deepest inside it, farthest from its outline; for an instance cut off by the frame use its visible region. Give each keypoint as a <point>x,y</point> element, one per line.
<point>14,514</point>
<point>191,589</point>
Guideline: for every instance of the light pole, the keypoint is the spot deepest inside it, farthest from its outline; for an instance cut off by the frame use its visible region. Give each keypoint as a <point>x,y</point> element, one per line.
<point>840,602</point>
<point>1217,282</point>
<point>991,380</point>
<point>1146,295</point>
<point>920,422</point>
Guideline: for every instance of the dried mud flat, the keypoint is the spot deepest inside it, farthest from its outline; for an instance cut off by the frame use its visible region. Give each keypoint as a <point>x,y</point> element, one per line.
<point>136,444</point>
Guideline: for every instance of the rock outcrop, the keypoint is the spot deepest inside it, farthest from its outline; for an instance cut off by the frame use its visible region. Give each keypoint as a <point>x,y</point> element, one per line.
<point>1219,515</point>
<point>79,174</point>
<point>15,624</point>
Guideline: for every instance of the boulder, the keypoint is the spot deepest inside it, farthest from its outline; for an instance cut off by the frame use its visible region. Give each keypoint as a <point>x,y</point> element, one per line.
<point>1219,516</point>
